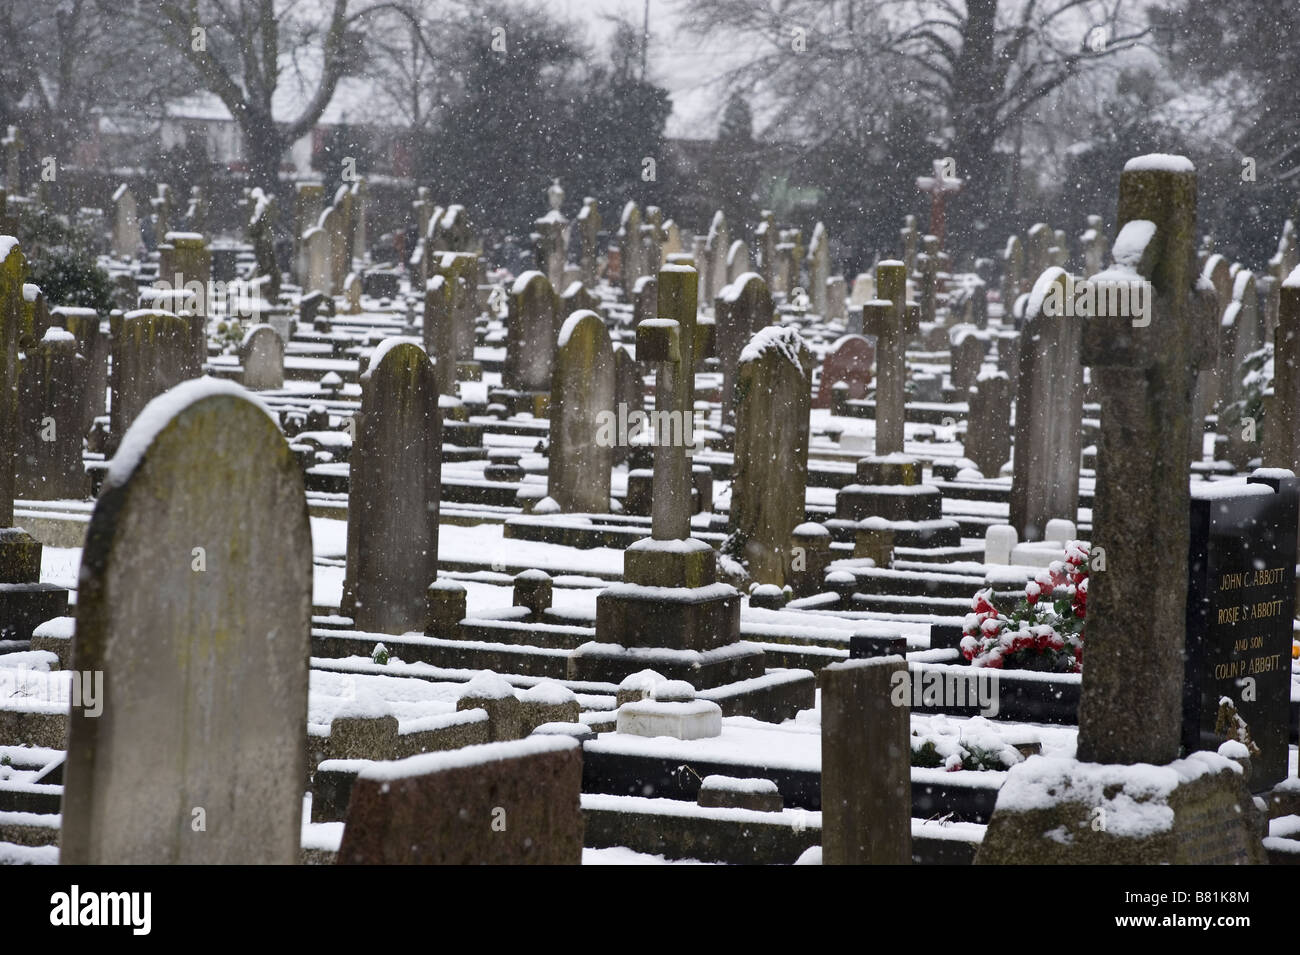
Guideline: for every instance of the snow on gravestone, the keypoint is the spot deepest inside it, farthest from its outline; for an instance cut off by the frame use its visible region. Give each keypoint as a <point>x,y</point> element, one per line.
<point>1049,412</point>
<point>394,491</point>
<point>582,395</point>
<point>195,603</point>
<point>505,803</point>
<point>772,401</point>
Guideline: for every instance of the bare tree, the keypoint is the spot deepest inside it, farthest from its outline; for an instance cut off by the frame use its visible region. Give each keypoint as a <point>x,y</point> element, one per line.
<point>242,49</point>
<point>975,66</point>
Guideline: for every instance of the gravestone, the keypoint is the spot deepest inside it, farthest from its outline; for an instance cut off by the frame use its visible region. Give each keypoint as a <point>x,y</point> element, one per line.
<point>1192,810</point>
<point>185,262</point>
<point>737,261</point>
<point>393,492</point>
<point>988,425</point>
<point>765,239</point>
<point>582,396</point>
<point>741,309</point>
<point>263,215</point>
<point>866,782</point>
<point>967,356</point>
<point>848,360</point>
<point>51,419</point>
<point>1240,605</point>
<point>205,666</point>
<point>262,355</point>
<point>84,324</point>
<point>670,599</point>
<point>317,257</point>
<point>892,321</point>
<point>25,602</point>
<point>631,260</point>
<point>126,223</point>
<point>152,351</point>
<point>629,395</point>
<point>308,198</point>
<point>772,399</point>
<point>717,246</point>
<point>504,803</point>
<point>531,329</point>
<point>819,269</point>
<point>1049,414</point>
<point>1283,421</point>
<point>588,235</point>
<point>835,298</point>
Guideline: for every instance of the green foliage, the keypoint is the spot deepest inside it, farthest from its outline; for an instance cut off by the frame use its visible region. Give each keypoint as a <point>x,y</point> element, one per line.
<point>60,260</point>
<point>380,654</point>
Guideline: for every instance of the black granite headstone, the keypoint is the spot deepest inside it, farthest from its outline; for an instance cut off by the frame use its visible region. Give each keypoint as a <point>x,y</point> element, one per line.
<point>1240,606</point>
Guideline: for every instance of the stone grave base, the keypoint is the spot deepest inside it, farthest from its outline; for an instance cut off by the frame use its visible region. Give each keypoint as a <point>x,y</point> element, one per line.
<point>893,502</point>
<point>1194,811</point>
<point>703,669</point>
<point>535,403</point>
<point>926,534</point>
<point>469,371</point>
<point>24,607</point>
<point>684,618</point>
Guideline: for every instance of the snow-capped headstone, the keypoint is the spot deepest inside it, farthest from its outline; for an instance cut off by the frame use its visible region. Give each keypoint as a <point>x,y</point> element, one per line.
<point>588,241</point>
<point>199,616</point>
<point>819,269</point>
<point>741,309</point>
<point>967,350</point>
<point>714,262</point>
<point>988,424</point>
<point>1013,267</point>
<point>737,261</point>
<point>765,239</point>
<point>1145,374</point>
<point>506,803</point>
<point>1049,411</point>
<point>772,401</point>
<point>582,400</point>
<point>126,223</point>
<point>893,321</point>
<point>394,492</point>
<point>866,779</point>
<point>631,261</point>
<point>51,411</point>
<point>1127,798</point>
<point>24,601</point>
<point>152,351</point>
<point>531,329</point>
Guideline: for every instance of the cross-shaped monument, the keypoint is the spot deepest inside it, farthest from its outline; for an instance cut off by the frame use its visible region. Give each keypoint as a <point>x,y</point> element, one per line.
<point>939,186</point>
<point>893,320</point>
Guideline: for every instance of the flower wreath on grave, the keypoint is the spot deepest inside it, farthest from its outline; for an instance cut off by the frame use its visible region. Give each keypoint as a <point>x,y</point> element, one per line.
<point>1045,629</point>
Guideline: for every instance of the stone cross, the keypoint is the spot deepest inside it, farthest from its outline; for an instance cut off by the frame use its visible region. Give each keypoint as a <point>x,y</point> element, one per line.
<point>671,341</point>
<point>893,320</point>
<point>1145,370</point>
<point>939,186</point>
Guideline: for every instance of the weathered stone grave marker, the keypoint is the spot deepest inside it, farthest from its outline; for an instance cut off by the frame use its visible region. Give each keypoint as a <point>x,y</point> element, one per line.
<point>199,753</point>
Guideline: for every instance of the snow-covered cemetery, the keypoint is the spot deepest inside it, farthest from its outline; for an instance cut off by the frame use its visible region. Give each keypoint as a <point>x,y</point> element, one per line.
<point>622,487</point>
